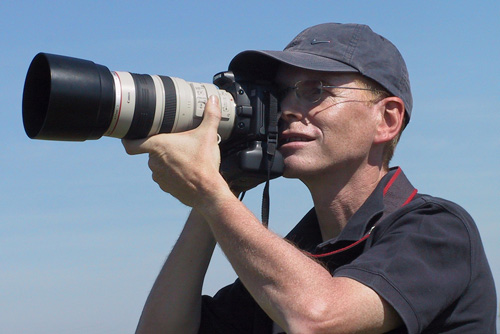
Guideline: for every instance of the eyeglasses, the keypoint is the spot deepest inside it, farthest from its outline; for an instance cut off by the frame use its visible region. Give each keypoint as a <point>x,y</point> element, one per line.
<point>311,91</point>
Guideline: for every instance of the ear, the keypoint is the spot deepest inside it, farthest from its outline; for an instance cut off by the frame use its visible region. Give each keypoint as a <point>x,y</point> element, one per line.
<point>392,111</point>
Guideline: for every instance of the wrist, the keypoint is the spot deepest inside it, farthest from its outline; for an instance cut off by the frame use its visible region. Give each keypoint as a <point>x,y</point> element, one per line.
<point>214,191</point>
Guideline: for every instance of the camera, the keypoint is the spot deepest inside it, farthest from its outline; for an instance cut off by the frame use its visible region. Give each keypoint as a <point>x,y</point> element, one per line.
<point>71,99</point>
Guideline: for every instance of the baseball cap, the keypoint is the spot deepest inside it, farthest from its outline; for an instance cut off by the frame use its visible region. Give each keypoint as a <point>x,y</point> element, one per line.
<point>335,47</point>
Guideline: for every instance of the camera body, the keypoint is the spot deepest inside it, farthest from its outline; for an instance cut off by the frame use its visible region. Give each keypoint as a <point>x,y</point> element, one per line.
<point>73,99</point>
<point>250,155</point>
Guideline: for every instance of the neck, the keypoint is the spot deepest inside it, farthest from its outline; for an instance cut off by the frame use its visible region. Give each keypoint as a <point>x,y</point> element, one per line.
<point>341,195</point>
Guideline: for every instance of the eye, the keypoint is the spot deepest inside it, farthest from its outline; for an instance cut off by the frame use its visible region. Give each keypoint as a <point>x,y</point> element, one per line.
<point>309,90</point>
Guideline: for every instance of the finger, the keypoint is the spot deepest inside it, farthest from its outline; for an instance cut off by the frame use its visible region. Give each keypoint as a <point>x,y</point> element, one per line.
<point>212,114</point>
<point>138,146</point>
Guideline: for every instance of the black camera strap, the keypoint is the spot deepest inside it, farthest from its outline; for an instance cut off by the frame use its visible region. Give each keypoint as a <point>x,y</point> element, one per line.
<point>271,146</point>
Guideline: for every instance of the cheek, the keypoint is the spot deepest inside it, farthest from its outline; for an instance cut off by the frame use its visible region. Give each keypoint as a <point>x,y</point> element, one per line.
<point>351,129</point>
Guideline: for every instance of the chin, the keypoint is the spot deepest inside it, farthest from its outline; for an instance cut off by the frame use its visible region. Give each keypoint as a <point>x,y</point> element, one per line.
<point>296,172</point>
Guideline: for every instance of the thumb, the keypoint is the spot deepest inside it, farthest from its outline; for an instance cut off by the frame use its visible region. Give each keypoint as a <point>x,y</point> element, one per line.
<point>138,146</point>
<point>212,114</point>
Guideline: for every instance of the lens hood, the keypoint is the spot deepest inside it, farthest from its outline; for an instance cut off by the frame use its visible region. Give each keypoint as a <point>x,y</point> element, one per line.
<point>67,98</point>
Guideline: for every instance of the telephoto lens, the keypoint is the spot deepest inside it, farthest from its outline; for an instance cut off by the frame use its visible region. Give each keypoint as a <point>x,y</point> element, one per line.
<point>74,99</point>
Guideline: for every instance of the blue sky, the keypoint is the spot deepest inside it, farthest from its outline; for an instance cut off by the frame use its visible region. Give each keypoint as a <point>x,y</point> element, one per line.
<point>84,230</point>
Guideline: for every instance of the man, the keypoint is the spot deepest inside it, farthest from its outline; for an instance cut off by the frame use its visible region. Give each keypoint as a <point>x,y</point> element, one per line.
<point>373,256</point>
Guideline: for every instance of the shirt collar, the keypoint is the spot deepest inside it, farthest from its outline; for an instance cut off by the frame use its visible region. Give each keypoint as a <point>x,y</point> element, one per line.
<point>392,192</point>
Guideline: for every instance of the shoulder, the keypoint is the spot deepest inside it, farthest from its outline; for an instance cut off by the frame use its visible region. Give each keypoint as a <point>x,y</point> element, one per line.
<point>440,234</point>
<point>445,206</point>
<point>424,257</point>
<point>426,212</point>
<point>434,223</point>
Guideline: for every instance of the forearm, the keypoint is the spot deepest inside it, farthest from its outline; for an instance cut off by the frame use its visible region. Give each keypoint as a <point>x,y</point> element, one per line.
<point>174,303</point>
<point>273,270</point>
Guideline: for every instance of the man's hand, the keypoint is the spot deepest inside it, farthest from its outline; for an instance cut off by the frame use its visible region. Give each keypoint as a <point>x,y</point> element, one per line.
<point>185,164</point>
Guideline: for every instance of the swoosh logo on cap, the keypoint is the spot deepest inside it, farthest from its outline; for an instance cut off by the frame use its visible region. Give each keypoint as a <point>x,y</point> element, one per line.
<point>315,41</point>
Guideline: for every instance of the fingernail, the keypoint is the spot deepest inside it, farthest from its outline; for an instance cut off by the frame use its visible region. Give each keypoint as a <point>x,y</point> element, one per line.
<point>213,99</point>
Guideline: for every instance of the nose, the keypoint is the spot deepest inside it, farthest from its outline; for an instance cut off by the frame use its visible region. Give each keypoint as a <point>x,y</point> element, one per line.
<point>291,110</point>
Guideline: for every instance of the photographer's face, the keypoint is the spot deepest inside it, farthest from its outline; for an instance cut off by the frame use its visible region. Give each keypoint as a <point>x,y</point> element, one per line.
<point>333,135</point>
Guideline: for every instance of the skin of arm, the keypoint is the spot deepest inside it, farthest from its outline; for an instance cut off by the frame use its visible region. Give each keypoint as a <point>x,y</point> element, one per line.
<point>294,290</point>
<point>174,303</point>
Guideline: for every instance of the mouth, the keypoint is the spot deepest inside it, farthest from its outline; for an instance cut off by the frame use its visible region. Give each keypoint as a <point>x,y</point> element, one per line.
<point>293,138</point>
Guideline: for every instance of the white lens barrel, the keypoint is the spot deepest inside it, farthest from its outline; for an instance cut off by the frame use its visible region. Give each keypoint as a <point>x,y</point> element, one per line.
<point>124,105</point>
<point>160,106</point>
<point>191,98</point>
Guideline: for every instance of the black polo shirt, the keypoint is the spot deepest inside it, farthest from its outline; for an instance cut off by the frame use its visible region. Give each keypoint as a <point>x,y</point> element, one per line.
<point>422,254</point>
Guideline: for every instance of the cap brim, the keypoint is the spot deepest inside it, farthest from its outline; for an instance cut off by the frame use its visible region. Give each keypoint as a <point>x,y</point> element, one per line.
<point>256,63</point>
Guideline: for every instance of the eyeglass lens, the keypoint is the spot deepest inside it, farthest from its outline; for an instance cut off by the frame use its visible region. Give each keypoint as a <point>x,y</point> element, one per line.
<point>309,90</point>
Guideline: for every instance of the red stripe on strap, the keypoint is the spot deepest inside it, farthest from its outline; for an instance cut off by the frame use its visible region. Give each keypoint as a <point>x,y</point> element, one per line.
<point>408,200</point>
<point>341,249</point>
<point>391,181</point>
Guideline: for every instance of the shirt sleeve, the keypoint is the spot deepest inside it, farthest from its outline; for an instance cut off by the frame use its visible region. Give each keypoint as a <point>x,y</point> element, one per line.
<point>420,263</point>
<point>233,310</point>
